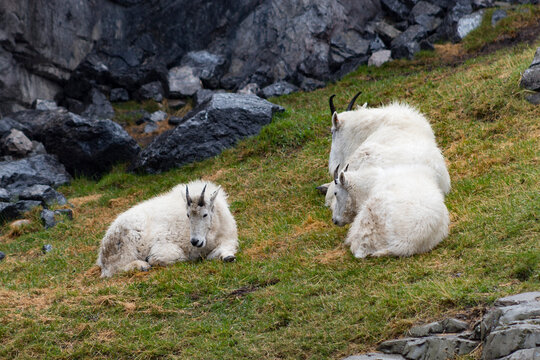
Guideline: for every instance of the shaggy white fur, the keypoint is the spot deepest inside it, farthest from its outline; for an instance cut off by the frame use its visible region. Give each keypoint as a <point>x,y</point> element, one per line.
<point>159,232</point>
<point>395,211</point>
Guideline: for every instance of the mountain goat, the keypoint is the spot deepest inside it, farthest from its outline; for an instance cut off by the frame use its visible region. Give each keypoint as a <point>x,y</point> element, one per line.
<point>395,211</point>
<point>169,228</point>
<point>386,136</point>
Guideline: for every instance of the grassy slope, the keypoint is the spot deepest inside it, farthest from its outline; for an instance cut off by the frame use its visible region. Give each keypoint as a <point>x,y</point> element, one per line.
<point>295,291</point>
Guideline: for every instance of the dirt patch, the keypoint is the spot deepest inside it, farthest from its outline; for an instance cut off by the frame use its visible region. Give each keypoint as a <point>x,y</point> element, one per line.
<point>78,201</point>
<point>244,290</point>
<point>332,256</point>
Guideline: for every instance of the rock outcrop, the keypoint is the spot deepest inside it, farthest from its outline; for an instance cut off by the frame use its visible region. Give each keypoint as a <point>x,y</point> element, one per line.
<point>207,130</point>
<point>531,78</point>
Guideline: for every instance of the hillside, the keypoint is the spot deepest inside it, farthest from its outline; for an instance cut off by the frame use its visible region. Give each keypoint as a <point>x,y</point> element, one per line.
<point>295,292</point>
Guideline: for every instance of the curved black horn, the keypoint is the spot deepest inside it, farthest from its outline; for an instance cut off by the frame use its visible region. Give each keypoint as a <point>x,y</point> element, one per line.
<point>352,101</point>
<point>188,199</point>
<point>346,168</point>
<point>201,199</point>
<point>336,173</point>
<point>332,107</point>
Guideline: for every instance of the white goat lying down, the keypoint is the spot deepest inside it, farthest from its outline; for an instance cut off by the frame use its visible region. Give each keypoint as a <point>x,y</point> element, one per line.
<point>169,228</point>
<point>395,211</point>
<point>384,136</point>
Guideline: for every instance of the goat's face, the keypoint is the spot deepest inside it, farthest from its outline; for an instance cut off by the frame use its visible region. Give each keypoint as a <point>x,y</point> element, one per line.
<point>200,213</point>
<point>343,207</point>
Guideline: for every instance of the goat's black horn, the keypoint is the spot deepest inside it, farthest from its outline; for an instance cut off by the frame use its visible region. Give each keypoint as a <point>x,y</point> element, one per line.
<point>332,107</point>
<point>201,199</point>
<point>336,173</point>
<point>346,168</point>
<point>188,199</point>
<point>352,101</point>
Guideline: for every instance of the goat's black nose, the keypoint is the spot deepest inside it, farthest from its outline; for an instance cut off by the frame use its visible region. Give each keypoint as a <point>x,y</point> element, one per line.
<point>335,221</point>
<point>194,242</point>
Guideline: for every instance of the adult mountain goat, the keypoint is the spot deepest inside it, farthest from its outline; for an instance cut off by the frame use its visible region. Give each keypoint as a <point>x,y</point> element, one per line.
<point>171,227</point>
<point>385,136</point>
<point>394,211</point>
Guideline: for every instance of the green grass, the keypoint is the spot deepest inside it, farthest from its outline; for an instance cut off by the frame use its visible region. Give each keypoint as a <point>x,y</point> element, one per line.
<point>306,297</point>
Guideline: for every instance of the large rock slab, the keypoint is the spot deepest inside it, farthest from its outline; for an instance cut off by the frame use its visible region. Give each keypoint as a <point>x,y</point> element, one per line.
<point>39,169</point>
<point>531,77</point>
<point>206,66</point>
<point>208,130</point>
<point>183,82</point>
<point>85,146</point>
<point>507,339</point>
<point>527,354</point>
<point>429,348</point>
<point>468,23</point>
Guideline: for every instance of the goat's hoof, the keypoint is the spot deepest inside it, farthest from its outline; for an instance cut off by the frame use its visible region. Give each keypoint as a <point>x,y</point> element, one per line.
<point>230,258</point>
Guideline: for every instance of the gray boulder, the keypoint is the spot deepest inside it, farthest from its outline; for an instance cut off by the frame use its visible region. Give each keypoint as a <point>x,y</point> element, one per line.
<point>119,95</point>
<point>99,107</point>
<point>152,91</point>
<point>4,195</point>
<point>16,144</point>
<point>7,124</point>
<point>251,88</point>
<point>207,130</point>
<point>43,193</point>
<point>158,116</point>
<point>26,205</point>
<point>278,88</point>
<point>379,58</point>
<point>84,146</point>
<point>202,95</point>
<point>408,43</point>
<point>39,169</point>
<point>507,339</point>
<point>386,31</point>
<point>50,218</point>
<point>531,77</point>
<point>526,354</point>
<point>42,104</point>
<point>375,356</point>
<point>183,82</point>
<point>8,211</point>
<point>468,23</point>
<point>497,16</point>
<point>429,348</point>
<point>206,66</point>
<point>397,10</point>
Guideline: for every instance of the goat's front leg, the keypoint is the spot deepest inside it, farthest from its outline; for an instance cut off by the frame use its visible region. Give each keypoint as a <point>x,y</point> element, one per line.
<point>163,254</point>
<point>226,252</point>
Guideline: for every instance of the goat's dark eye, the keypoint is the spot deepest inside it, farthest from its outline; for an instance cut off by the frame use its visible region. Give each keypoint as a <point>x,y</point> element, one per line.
<point>205,215</point>
<point>187,215</point>
<point>335,193</point>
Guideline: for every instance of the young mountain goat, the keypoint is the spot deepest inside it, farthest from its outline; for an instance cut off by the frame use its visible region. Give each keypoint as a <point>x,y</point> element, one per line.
<point>386,136</point>
<point>395,211</point>
<point>169,228</point>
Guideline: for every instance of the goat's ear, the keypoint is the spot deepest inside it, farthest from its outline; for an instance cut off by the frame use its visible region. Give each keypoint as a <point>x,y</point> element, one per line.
<point>342,178</point>
<point>364,106</point>
<point>335,120</point>
<point>214,195</point>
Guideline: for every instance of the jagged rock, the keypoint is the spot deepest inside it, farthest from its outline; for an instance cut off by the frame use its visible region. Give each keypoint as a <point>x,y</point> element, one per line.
<point>425,8</point>
<point>8,211</point>
<point>119,95</point>
<point>407,44</point>
<point>386,31</point>
<point>531,77</point>
<point>310,84</point>
<point>375,356</point>
<point>376,44</point>
<point>202,95</point>
<point>175,120</point>
<point>468,23</point>
<point>526,354</point>
<point>448,29</point>
<point>206,66</point>
<point>46,248</point>
<point>481,4</point>
<point>42,104</point>
<point>396,9</point>
<point>37,148</point>
<point>4,195</point>
<point>16,143</point>
<point>497,16</point>
<point>427,329</point>
<point>38,169</point>
<point>26,205</point>
<point>207,130</point>
<point>533,98</point>
<point>251,88</point>
<point>49,221</point>
<point>454,325</point>
<point>347,45</point>
<point>380,57</point>
<point>153,90</point>
<point>429,348</point>
<point>523,298</point>
<point>430,23</point>
<point>158,116</point>
<point>183,82</point>
<point>278,88</point>
<point>508,339</point>
<point>44,193</point>
<point>150,127</point>
<point>7,124</point>
<point>99,107</point>
<point>84,146</point>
